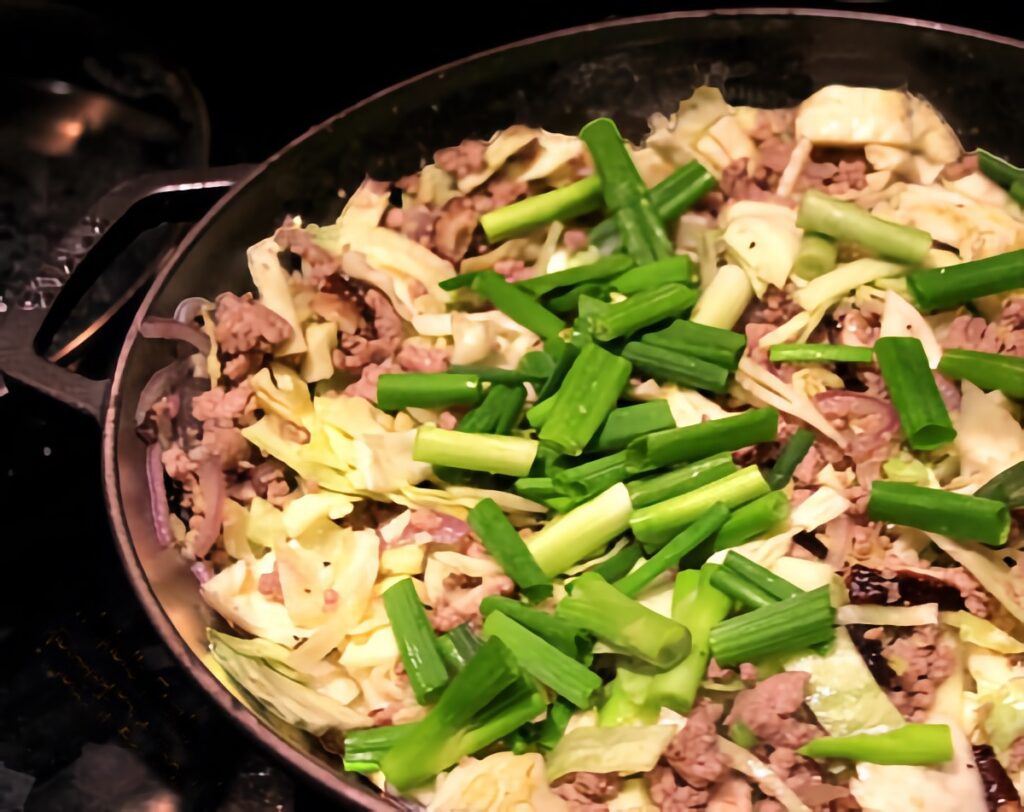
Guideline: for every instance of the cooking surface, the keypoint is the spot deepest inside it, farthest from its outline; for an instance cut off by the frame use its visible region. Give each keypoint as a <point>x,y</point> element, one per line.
<point>94,713</point>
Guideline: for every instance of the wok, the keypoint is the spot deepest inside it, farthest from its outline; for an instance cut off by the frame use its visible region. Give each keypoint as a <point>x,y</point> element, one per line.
<point>626,69</point>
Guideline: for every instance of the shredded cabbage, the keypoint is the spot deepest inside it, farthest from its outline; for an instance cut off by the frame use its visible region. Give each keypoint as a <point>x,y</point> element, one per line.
<point>271,280</point>
<point>623,750</point>
<point>762,238</point>
<point>989,439</point>
<point>925,614</point>
<point>502,782</point>
<point>981,632</point>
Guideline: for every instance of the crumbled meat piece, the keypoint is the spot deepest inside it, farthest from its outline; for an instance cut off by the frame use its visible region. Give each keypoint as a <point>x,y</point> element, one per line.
<point>925,662</point>
<point>671,796</point>
<point>177,463</point>
<point>461,600</point>
<point>454,227</point>
<point>804,777</point>
<point>775,153</point>
<point>775,307</point>
<point>366,386</point>
<point>858,329</point>
<point>501,192</point>
<point>575,239</point>
<point>447,420</point>
<point>344,311</point>
<point>961,168</point>
<point>768,710</point>
<point>716,673</point>
<point>226,443</point>
<point>316,261</point>
<point>269,585</point>
<point>416,358</point>
<point>587,792</point>
<point>239,367</point>
<point>740,182</point>
<point>1005,335</point>
<point>748,672</point>
<point>514,270</point>
<point>731,795</point>
<point>358,351</point>
<point>227,407</point>
<point>242,324</point>
<point>773,122</point>
<point>806,472</point>
<point>415,222</point>
<point>693,752</point>
<point>463,160</point>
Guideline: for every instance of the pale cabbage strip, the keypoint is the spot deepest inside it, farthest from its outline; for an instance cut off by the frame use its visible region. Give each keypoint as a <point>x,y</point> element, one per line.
<point>902,319</point>
<point>271,280</point>
<point>988,567</point>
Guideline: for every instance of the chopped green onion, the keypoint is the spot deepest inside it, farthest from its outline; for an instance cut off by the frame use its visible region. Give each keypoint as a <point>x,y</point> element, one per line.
<point>494,374</point>
<point>644,277</point>
<point>986,370</point>
<point>604,268</point>
<point>364,748</point>
<point>671,553</point>
<point>507,547</point>
<point>614,568</point>
<point>538,414</point>
<point>642,310</point>
<point>567,203</point>
<point>1007,487</point>
<point>740,589</point>
<point>656,524</point>
<point>912,743</point>
<point>564,636</point>
<point>570,300</point>
<point>957,515</point>
<point>543,661</point>
<point>581,532</point>
<point>721,347</point>
<point>537,364</point>
<point>914,393</point>
<point>588,394</point>
<point>428,390</point>
<point>998,169</point>
<point>517,305</point>
<point>816,256</point>
<point>781,628</point>
<point>820,354</point>
<point>948,288</point>
<point>686,478</point>
<point>695,442</point>
<point>642,234</point>
<point>553,727</point>
<point>622,623</point>
<point>416,642</point>
<point>677,367</point>
<point>490,453</point>
<point>462,280</point>
<point>701,607</point>
<point>627,423</point>
<point>1016,191</point>
<point>458,646</point>
<point>847,221</point>
<point>565,355</point>
<point>779,588</point>
<point>722,302</point>
<point>537,488</point>
<point>497,413</point>
<point>753,519</point>
<point>792,455</point>
<point>591,478</point>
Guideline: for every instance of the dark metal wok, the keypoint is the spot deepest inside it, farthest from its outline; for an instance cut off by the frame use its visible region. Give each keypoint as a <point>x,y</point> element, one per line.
<point>626,69</point>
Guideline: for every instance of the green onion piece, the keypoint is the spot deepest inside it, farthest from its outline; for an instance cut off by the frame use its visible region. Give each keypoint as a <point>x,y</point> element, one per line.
<point>686,478</point>
<point>538,414</point>
<point>517,305</point>
<point>688,443</point>
<point>507,547</point>
<point>671,553</point>
<point>779,588</point>
<point>740,589</point>
<point>820,354</point>
<point>543,661</point>
<point>537,488</point>
<point>428,390</point>
<point>627,423</point>
<point>591,478</point>
<point>656,524</point>
<point>948,288</point>
<point>364,748</point>
<point>753,519</point>
<point>565,637</point>
<point>723,301</point>
<point>642,234</point>
<point>986,370</point>
<point>671,197</point>
<point>783,627</point>
<point>459,281</point>
<point>847,221</point>
<point>910,744</point>
<point>416,642</point>
<point>914,393</point>
<point>581,532</point>
<point>570,300</point>
<point>553,727</point>
<point>498,413</point>
<point>589,307</point>
<point>484,702</point>
<point>537,364</point>
<point>588,394</point>
<point>567,203</point>
<point>698,604</point>
<point>791,456</point>
<point>677,269</point>
<point>620,564</point>
<point>604,268</point>
<point>622,623</point>
<point>642,310</point>
<point>565,355</point>
<point>957,515</point>
<point>817,255</point>
<point>458,646</point>
<point>721,347</point>
<point>494,374</point>
<point>1017,191</point>
<point>1007,487</point>
<point>677,367</point>
<point>490,453</point>
<point>998,169</point>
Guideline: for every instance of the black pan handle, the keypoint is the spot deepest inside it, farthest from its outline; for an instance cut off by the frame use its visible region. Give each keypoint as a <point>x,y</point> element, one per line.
<point>32,315</point>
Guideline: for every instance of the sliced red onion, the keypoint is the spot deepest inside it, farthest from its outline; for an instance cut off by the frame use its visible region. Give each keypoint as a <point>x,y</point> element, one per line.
<point>175,331</point>
<point>163,382</point>
<point>214,490</point>
<point>159,508</point>
<point>188,309</point>
<point>838,398</point>
<point>202,571</point>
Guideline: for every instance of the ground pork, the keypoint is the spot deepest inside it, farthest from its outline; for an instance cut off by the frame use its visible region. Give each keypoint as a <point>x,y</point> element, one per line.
<point>741,181</point>
<point>731,795</point>
<point>242,325</point>
<point>961,168</point>
<point>454,227</point>
<point>671,796</point>
<point>1004,335</point>
<point>460,602</point>
<point>416,358</point>
<point>465,159</point>
<point>514,270</point>
<point>775,307</point>
<point>804,777</point>
<point>587,792</point>
<point>924,661</point>
<point>769,709</point>
<point>226,406</point>
<point>693,752</point>
<point>366,386</point>
<point>356,351</point>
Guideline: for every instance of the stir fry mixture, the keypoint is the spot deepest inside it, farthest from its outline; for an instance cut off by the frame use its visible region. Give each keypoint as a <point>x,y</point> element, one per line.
<point>568,474</point>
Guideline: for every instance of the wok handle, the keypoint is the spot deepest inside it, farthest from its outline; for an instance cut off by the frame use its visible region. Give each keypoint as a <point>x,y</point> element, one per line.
<point>31,316</point>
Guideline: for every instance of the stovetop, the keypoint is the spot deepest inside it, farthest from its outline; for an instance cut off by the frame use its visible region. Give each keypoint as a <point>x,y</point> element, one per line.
<point>94,713</point>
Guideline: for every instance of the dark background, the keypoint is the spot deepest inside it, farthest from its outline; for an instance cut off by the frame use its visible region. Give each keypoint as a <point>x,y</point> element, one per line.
<point>92,709</point>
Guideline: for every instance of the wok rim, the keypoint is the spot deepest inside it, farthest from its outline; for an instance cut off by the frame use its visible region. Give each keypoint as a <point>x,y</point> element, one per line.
<point>326,779</point>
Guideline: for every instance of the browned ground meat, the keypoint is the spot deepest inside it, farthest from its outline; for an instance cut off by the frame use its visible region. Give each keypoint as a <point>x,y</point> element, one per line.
<point>1005,335</point>
<point>461,601</point>
<point>925,662</point>
<point>243,325</point>
<point>465,159</point>
<point>454,227</point>
<point>693,752</point>
<point>371,346</point>
<point>671,796</point>
<point>587,792</point>
<point>414,358</point>
<point>769,709</point>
